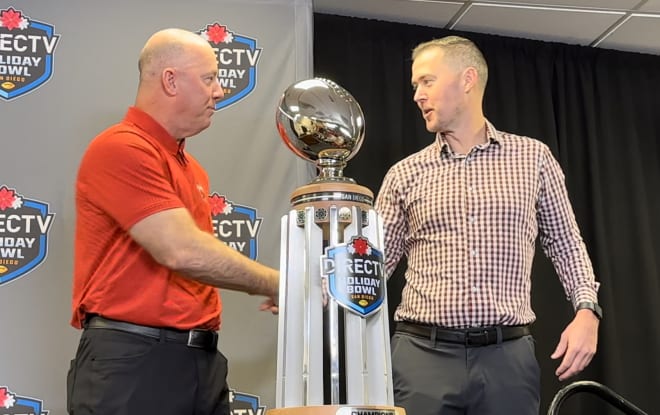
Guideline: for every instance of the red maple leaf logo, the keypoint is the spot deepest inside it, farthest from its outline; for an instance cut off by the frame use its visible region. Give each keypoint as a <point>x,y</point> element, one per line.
<point>361,246</point>
<point>10,18</point>
<point>216,33</point>
<point>6,398</point>
<point>7,198</point>
<point>218,204</point>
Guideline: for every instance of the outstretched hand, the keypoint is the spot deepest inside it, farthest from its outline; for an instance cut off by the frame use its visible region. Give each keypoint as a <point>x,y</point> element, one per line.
<point>269,305</point>
<point>577,344</point>
<point>271,292</point>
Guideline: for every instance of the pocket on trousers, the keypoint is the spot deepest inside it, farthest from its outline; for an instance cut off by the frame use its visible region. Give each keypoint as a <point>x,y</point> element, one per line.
<point>110,345</point>
<point>118,365</point>
<point>118,358</point>
<point>70,381</point>
<point>533,362</point>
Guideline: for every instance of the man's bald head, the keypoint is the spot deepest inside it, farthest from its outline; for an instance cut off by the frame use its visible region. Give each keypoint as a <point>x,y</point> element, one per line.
<point>168,47</point>
<point>178,85</point>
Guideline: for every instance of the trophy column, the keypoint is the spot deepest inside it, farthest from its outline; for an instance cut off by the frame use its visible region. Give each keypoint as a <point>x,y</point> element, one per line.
<point>333,338</point>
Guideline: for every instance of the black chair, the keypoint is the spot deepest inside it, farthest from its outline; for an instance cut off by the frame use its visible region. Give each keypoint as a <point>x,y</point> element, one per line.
<point>597,389</point>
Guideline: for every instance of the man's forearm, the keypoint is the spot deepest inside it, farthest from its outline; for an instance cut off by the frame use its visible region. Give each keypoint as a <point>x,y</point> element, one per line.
<point>209,261</point>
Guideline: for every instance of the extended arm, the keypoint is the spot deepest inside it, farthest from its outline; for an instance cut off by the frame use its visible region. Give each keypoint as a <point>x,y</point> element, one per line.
<point>174,241</point>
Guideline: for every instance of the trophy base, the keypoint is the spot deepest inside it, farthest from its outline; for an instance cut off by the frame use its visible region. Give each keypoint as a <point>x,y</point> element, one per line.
<point>338,410</point>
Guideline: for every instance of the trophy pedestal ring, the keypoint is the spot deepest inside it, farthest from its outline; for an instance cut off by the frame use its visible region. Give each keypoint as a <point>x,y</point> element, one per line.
<point>338,410</point>
<point>322,195</point>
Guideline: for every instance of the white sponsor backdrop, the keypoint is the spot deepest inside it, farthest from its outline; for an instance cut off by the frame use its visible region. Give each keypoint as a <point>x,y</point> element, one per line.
<point>43,134</point>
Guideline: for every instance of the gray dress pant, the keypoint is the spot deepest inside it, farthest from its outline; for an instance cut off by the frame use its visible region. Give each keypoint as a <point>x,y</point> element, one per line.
<point>439,378</point>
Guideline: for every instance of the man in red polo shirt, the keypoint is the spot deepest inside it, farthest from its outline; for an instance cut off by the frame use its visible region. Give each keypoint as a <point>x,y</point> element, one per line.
<point>147,266</point>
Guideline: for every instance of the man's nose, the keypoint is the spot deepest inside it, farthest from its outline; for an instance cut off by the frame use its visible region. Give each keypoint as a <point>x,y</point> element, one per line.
<point>417,96</point>
<point>218,92</point>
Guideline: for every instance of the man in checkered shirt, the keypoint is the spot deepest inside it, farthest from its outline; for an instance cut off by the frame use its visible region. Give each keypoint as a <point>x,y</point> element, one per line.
<point>466,212</point>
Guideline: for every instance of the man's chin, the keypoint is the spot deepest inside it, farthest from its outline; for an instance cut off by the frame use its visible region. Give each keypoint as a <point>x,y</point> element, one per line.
<point>432,128</point>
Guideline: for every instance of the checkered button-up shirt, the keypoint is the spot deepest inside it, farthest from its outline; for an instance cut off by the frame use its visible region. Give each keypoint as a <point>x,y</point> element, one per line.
<point>468,226</point>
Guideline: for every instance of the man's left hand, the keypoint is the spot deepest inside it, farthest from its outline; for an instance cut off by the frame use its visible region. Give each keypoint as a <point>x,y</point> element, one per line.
<point>577,344</point>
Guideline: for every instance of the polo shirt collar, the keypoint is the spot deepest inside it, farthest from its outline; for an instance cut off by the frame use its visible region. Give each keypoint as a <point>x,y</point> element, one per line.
<point>154,131</point>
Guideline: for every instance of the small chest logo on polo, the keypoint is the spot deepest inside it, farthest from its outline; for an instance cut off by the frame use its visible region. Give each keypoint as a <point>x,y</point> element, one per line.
<point>13,404</point>
<point>235,225</point>
<point>26,53</point>
<point>244,404</point>
<point>355,275</point>
<point>24,226</point>
<point>237,62</point>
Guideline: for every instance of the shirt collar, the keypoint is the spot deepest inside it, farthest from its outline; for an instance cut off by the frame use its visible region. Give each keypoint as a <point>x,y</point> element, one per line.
<point>494,137</point>
<point>154,131</point>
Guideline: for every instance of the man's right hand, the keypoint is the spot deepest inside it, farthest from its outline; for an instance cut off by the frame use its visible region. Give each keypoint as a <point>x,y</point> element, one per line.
<point>270,305</point>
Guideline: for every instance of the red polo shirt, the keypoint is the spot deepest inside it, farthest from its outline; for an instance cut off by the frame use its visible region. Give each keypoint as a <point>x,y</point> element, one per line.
<point>130,171</point>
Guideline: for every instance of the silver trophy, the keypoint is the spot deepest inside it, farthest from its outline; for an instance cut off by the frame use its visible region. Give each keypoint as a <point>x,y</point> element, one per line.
<point>333,341</point>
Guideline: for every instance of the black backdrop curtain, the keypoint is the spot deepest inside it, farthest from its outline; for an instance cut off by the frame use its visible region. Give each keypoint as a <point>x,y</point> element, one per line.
<point>598,111</point>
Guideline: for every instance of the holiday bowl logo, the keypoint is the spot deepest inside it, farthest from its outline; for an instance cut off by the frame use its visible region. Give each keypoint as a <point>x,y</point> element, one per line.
<point>237,62</point>
<point>244,404</point>
<point>355,275</point>
<point>13,404</point>
<point>235,225</point>
<point>26,53</point>
<point>24,226</point>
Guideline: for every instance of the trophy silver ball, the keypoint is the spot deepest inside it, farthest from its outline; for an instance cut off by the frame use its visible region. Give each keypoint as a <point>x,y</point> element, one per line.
<point>321,122</point>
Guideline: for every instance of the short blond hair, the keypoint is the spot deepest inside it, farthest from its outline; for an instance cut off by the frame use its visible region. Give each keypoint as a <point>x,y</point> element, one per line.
<point>460,52</point>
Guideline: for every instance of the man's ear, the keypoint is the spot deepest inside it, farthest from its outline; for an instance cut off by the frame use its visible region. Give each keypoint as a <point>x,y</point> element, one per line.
<point>169,81</point>
<point>470,78</point>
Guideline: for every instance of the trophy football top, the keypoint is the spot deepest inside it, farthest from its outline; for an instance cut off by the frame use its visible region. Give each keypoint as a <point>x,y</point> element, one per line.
<point>321,122</point>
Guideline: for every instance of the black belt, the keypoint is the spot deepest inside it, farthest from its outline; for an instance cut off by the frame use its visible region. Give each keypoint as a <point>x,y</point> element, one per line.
<point>473,337</point>
<point>197,338</point>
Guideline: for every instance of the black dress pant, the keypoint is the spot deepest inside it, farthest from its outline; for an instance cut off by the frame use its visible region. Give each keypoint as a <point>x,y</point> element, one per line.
<point>119,373</point>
